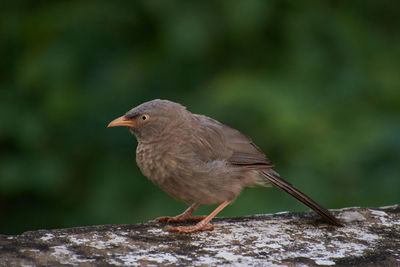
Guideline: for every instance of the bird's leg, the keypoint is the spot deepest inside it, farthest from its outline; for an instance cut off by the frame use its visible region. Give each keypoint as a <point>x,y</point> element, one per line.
<point>203,224</point>
<point>185,216</point>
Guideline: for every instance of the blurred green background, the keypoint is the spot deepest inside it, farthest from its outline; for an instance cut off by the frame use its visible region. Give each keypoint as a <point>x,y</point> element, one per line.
<point>316,85</point>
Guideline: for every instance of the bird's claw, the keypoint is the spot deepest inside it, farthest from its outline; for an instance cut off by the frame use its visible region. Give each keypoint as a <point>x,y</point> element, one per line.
<point>180,219</point>
<point>163,219</point>
<point>191,229</point>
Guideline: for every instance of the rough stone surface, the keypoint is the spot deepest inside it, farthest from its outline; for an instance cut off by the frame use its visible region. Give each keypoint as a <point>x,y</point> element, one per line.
<point>370,237</point>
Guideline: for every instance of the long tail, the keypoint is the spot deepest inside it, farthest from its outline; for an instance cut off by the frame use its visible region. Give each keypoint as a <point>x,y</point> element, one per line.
<point>274,178</point>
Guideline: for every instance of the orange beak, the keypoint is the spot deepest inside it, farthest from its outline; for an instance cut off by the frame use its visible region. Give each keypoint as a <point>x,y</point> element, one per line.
<point>121,121</point>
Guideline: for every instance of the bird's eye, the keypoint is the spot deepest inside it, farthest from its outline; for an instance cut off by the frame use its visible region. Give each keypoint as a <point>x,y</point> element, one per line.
<point>145,117</point>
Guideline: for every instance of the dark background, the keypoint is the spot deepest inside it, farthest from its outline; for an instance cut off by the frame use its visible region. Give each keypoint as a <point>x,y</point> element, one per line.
<point>316,84</point>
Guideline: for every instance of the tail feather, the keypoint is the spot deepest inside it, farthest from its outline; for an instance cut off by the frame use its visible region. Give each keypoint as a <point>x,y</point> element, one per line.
<point>274,178</point>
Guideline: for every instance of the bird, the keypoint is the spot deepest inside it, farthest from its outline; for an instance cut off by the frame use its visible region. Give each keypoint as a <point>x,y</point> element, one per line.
<point>200,161</point>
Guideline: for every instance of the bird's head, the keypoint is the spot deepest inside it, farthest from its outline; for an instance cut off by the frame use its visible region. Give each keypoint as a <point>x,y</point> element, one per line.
<point>152,119</point>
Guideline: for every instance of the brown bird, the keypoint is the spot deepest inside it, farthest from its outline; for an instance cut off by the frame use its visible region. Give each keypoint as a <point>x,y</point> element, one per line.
<point>200,161</point>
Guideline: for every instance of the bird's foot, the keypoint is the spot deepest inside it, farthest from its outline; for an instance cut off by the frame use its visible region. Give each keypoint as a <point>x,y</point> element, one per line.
<point>191,229</point>
<point>180,218</point>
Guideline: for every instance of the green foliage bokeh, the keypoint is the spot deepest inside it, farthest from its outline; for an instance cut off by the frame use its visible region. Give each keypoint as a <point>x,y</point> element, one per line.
<point>316,85</point>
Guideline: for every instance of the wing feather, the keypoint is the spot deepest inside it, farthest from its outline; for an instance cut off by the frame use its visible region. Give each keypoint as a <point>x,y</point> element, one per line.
<point>224,142</point>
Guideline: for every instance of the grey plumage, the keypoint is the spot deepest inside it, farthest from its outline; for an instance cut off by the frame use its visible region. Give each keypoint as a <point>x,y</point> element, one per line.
<point>197,159</point>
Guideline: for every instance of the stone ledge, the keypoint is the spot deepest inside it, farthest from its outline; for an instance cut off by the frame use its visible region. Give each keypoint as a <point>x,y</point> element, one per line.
<point>370,237</point>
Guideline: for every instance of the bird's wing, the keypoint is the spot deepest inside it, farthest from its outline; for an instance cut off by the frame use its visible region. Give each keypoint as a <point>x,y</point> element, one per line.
<point>219,141</point>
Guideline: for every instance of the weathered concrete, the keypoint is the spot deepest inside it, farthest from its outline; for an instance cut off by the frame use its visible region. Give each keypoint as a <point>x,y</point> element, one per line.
<point>370,237</point>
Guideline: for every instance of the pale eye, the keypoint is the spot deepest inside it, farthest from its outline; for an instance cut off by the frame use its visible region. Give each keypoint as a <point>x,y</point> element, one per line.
<point>145,117</point>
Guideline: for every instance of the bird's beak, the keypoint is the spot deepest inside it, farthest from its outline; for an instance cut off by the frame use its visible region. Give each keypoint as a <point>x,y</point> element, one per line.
<point>122,121</point>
